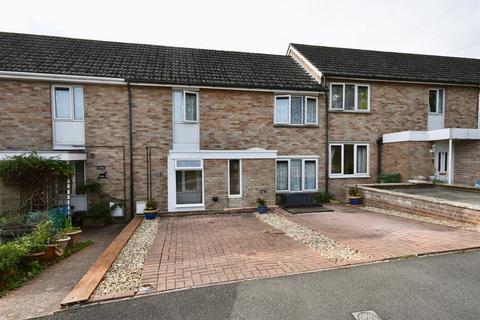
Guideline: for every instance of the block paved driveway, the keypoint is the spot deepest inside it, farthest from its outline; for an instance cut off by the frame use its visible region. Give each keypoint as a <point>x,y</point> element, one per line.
<point>383,236</point>
<point>200,250</point>
<point>204,249</point>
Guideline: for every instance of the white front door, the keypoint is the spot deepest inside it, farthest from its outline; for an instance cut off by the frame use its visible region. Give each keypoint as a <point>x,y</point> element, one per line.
<point>441,160</point>
<point>436,109</point>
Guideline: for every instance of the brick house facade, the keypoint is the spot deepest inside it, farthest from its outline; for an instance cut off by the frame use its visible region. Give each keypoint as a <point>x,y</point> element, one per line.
<point>225,139</point>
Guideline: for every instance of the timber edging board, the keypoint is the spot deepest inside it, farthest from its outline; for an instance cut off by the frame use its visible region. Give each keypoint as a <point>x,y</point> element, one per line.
<point>87,285</point>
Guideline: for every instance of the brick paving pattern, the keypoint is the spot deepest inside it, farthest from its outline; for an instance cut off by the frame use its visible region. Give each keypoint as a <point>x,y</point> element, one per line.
<point>205,249</point>
<point>383,236</point>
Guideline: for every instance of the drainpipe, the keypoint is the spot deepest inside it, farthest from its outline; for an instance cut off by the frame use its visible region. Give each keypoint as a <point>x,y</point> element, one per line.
<point>379,156</point>
<point>327,152</point>
<point>130,144</point>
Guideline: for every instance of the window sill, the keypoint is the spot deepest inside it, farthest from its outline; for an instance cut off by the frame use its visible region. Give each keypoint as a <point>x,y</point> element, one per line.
<point>286,125</point>
<point>301,191</point>
<point>235,197</point>
<point>348,111</point>
<point>348,176</point>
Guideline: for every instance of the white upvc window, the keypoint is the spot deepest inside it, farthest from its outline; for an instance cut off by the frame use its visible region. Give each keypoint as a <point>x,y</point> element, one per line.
<point>235,178</point>
<point>189,182</point>
<point>186,106</point>
<point>296,175</point>
<point>436,101</point>
<point>67,103</point>
<point>354,97</point>
<point>296,110</point>
<point>349,160</point>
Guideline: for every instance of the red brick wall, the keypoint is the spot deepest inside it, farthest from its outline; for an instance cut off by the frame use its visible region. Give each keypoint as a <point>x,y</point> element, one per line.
<point>410,159</point>
<point>402,202</point>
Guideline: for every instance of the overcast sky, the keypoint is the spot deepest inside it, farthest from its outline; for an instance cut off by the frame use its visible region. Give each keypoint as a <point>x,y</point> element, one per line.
<point>442,27</point>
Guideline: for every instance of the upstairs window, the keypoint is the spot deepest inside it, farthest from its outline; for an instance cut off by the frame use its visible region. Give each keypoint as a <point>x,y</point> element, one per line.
<point>295,110</point>
<point>68,102</point>
<point>185,104</point>
<point>436,101</point>
<point>349,97</point>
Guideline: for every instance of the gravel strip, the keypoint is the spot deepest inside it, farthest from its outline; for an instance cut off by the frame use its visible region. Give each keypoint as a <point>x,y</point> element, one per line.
<point>440,221</point>
<point>125,272</point>
<point>327,247</point>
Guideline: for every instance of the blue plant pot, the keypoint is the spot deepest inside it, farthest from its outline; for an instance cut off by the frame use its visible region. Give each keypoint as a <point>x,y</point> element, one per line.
<point>262,209</point>
<point>355,201</point>
<point>150,215</point>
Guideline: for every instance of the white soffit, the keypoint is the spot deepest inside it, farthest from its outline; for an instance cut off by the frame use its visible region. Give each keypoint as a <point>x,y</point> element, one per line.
<point>432,135</point>
<point>61,155</point>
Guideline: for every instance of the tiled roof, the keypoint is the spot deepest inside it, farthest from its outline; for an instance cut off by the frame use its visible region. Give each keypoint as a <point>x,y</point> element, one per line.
<point>151,63</point>
<point>369,64</point>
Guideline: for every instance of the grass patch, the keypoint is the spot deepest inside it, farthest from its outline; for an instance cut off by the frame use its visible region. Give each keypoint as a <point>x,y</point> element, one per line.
<point>26,273</point>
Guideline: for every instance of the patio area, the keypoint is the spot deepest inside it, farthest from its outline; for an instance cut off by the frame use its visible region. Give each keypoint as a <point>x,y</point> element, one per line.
<point>200,250</point>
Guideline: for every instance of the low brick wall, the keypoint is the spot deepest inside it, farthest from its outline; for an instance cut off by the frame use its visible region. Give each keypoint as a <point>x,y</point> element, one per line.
<point>420,205</point>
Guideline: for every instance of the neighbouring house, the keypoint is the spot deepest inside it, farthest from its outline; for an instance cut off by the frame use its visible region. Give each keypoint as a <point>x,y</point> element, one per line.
<point>202,130</point>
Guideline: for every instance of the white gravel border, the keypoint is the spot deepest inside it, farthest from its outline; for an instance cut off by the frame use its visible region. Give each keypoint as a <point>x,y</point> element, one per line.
<point>125,272</point>
<point>411,216</point>
<point>327,247</point>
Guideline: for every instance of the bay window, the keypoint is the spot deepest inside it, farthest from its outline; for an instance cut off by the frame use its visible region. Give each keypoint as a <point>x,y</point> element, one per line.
<point>296,174</point>
<point>349,97</point>
<point>349,159</point>
<point>295,110</point>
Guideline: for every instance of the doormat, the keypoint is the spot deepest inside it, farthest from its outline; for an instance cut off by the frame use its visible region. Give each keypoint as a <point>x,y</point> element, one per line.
<point>307,210</point>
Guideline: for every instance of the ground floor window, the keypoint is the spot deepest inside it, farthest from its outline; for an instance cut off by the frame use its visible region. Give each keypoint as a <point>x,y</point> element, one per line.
<point>189,181</point>
<point>234,178</point>
<point>442,161</point>
<point>296,175</point>
<point>348,159</point>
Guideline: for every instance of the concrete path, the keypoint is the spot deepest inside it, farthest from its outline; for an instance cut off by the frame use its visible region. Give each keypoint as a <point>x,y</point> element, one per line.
<point>42,295</point>
<point>442,287</point>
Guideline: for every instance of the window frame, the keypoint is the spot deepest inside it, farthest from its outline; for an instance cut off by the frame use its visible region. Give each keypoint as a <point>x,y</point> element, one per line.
<point>288,160</point>
<point>304,111</point>
<point>437,101</point>
<point>185,92</point>
<point>71,89</point>
<point>239,195</point>
<point>342,159</point>
<point>199,168</point>
<point>355,102</point>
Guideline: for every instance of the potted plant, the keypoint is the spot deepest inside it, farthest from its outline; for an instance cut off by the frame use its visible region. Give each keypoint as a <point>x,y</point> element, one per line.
<point>262,205</point>
<point>71,231</point>
<point>151,209</point>
<point>14,225</point>
<point>354,196</point>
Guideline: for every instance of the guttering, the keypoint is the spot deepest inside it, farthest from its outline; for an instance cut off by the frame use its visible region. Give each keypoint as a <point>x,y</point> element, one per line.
<point>432,135</point>
<point>223,154</point>
<point>59,77</point>
<point>367,79</point>
<point>327,146</point>
<point>60,155</point>
<point>130,147</point>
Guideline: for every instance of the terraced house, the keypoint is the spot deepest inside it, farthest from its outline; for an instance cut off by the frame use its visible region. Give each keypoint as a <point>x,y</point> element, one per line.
<point>209,130</point>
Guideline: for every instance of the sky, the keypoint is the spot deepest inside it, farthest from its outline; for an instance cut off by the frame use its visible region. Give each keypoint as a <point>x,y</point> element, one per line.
<point>439,27</point>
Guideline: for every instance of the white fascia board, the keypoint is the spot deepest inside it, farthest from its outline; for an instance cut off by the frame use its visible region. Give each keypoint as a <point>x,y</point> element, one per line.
<point>223,154</point>
<point>432,135</point>
<point>300,58</point>
<point>61,155</point>
<point>298,157</point>
<point>59,77</point>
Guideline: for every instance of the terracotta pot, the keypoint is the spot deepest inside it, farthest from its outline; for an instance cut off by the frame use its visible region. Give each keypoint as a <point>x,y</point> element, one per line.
<point>27,260</point>
<point>50,252</point>
<point>74,237</point>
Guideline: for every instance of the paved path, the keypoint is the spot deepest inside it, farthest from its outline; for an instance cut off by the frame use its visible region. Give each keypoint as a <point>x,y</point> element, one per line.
<point>43,295</point>
<point>205,249</point>
<point>443,287</point>
<point>383,236</point>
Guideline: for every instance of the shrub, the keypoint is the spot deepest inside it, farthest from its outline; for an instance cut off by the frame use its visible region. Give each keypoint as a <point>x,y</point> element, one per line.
<point>323,197</point>
<point>354,192</point>
<point>261,202</point>
<point>101,209</point>
<point>151,205</point>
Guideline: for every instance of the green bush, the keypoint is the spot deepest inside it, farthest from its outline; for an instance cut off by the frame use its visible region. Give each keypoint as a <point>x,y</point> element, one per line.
<point>11,254</point>
<point>101,209</point>
<point>323,197</point>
